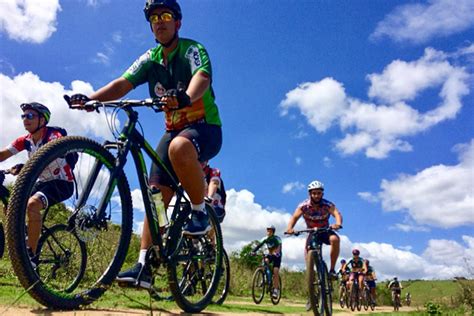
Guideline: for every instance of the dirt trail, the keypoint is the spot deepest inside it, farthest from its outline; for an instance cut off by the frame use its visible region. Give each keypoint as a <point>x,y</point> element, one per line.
<point>14,311</point>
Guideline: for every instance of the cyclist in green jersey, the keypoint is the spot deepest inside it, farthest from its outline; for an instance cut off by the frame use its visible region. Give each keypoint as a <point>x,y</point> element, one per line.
<point>274,256</point>
<point>179,72</point>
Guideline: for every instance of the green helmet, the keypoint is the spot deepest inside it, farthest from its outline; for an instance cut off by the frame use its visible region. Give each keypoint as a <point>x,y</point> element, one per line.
<point>38,107</point>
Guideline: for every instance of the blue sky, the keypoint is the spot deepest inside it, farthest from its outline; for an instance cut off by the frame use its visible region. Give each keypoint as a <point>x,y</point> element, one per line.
<point>373,98</point>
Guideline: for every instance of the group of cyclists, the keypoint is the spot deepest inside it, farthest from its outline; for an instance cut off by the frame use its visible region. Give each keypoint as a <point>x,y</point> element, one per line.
<point>178,72</point>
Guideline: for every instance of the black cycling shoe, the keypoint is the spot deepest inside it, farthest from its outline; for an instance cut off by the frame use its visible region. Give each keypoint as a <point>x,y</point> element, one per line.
<point>199,224</point>
<point>130,277</point>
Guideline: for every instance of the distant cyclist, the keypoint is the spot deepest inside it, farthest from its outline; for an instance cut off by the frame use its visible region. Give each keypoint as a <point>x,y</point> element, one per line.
<point>344,273</point>
<point>316,212</point>
<point>396,287</point>
<point>358,268</point>
<point>56,182</point>
<point>274,244</point>
<point>370,278</point>
<point>215,190</point>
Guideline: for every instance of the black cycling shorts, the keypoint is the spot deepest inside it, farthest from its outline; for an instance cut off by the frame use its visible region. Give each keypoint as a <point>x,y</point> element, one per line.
<point>53,192</point>
<point>206,138</point>
<point>276,260</point>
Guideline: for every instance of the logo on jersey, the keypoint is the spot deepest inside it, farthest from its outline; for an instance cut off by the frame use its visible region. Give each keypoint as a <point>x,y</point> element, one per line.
<point>192,54</point>
<point>135,67</point>
<point>159,89</point>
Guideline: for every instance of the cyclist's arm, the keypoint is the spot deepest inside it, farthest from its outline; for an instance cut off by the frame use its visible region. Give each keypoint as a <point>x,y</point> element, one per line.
<point>260,244</point>
<point>296,216</point>
<point>5,154</point>
<point>337,215</point>
<point>198,85</point>
<point>114,90</point>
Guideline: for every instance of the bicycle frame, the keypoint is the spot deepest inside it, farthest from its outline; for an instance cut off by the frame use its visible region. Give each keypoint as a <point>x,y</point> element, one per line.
<point>131,141</point>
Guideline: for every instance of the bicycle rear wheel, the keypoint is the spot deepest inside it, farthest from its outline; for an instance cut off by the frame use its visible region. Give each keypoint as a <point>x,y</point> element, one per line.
<point>61,258</point>
<point>315,283</point>
<point>224,283</point>
<point>106,235</point>
<point>258,285</point>
<point>195,267</point>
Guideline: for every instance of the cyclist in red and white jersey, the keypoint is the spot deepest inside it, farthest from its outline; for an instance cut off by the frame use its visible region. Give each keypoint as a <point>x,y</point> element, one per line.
<point>316,212</point>
<point>215,190</point>
<point>56,182</point>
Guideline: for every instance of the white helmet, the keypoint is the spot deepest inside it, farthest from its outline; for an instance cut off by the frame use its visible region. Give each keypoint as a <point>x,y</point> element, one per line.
<point>315,185</point>
<point>272,227</point>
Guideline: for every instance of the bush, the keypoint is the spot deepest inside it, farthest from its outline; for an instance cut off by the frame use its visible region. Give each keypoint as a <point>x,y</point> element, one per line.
<point>433,308</point>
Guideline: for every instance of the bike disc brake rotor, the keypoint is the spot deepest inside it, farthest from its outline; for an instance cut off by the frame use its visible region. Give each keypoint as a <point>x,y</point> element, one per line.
<point>86,224</point>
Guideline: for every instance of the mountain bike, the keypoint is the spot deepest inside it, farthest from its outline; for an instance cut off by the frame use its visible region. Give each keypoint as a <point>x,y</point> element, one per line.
<point>354,294</point>
<point>343,295</point>
<point>100,213</point>
<point>368,298</point>
<point>408,299</point>
<point>262,282</point>
<point>224,283</point>
<point>60,258</point>
<point>319,284</point>
<point>4,195</point>
<point>396,299</point>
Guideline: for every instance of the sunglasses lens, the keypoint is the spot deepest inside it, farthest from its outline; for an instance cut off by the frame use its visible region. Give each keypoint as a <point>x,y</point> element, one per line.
<point>154,18</point>
<point>166,16</point>
<point>28,116</point>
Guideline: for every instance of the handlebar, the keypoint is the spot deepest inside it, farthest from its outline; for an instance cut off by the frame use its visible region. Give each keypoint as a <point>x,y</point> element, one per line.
<point>312,230</point>
<point>156,104</point>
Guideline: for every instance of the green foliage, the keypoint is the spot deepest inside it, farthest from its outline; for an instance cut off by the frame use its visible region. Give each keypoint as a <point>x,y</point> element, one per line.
<point>433,308</point>
<point>465,295</point>
<point>244,257</point>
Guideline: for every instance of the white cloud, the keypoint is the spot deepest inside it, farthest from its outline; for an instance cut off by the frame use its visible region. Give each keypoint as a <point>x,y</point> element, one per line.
<point>291,187</point>
<point>298,160</point>
<point>440,196</point>
<point>28,87</point>
<point>246,221</point>
<point>418,23</point>
<point>29,21</point>
<point>379,128</point>
<point>409,228</point>
<point>368,196</point>
<point>104,56</point>
<point>96,3</point>
<point>320,102</point>
<point>327,162</point>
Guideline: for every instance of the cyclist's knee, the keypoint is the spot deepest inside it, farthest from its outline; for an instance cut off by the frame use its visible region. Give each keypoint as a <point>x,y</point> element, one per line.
<point>182,150</point>
<point>334,239</point>
<point>35,205</point>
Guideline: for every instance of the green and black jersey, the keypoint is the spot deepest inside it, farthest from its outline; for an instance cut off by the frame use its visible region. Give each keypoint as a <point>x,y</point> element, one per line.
<point>188,58</point>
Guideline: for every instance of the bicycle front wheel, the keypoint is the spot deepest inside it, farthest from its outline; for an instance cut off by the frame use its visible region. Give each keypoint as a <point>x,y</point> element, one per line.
<point>315,283</point>
<point>106,235</point>
<point>224,283</point>
<point>258,285</point>
<point>327,288</point>
<point>195,266</point>
<point>276,300</point>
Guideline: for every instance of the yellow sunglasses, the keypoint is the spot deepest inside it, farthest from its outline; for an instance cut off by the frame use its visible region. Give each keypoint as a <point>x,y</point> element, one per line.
<point>164,16</point>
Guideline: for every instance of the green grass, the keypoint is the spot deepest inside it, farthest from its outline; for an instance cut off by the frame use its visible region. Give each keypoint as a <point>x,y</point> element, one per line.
<point>293,298</point>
